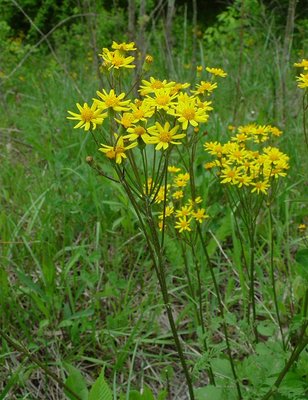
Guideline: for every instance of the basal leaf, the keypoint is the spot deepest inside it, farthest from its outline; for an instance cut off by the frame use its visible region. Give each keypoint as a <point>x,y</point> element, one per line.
<point>100,390</point>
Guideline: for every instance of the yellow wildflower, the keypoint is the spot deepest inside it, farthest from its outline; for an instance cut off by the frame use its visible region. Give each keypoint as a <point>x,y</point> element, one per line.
<point>303,81</point>
<point>214,148</point>
<point>168,211</point>
<point>181,180</point>
<point>126,120</point>
<point>230,175</point>
<point>204,88</point>
<point>153,84</point>
<point>188,112</point>
<point>87,116</point>
<point>209,165</point>
<point>197,200</point>
<point>141,111</point>
<point>302,64</point>
<point>173,169</point>
<point>274,131</point>
<point>200,215</point>
<point>111,100</point>
<point>116,59</point>
<point>183,224</point>
<point>164,136</point>
<point>217,72</point>
<point>163,99</point>
<point>260,186</point>
<point>124,46</point>
<point>184,211</point>
<point>161,194</point>
<point>137,132</point>
<point>243,180</point>
<point>178,87</point>
<point>178,194</point>
<point>117,151</point>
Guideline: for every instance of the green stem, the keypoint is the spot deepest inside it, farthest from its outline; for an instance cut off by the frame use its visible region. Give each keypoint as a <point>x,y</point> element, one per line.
<point>221,309</point>
<point>252,281</point>
<point>165,295</point>
<point>304,118</point>
<point>47,371</point>
<point>201,320</point>
<point>165,201</point>
<point>273,275</point>
<point>160,272</point>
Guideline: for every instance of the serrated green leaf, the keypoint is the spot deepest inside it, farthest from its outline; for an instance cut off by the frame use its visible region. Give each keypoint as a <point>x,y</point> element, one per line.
<point>100,389</point>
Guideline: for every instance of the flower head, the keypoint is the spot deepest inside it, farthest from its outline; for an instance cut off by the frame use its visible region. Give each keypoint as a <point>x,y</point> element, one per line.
<point>200,215</point>
<point>204,88</point>
<point>154,84</point>
<point>188,112</point>
<point>163,99</point>
<point>117,151</point>
<point>217,72</point>
<point>303,81</point>
<point>183,224</point>
<point>88,115</point>
<point>117,59</point>
<point>164,135</point>
<point>260,186</point>
<point>124,46</point>
<point>302,64</point>
<point>136,132</point>
<point>111,100</point>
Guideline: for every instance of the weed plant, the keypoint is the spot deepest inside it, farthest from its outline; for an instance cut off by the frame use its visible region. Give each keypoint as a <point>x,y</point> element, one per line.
<point>78,290</point>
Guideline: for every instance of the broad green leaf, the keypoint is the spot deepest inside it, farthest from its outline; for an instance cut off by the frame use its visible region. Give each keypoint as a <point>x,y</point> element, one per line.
<point>76,383</point>
<point>134,395</point>
<point>146,395</point>
<point>209,393</point>
<point>266,329</point>
<point>100,390</point>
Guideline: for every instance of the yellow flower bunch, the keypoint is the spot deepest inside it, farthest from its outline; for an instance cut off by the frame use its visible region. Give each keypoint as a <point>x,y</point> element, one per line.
<point>163,115</point>
<point>248,167</point>
<point>303,78</point>
<point>181,211</point>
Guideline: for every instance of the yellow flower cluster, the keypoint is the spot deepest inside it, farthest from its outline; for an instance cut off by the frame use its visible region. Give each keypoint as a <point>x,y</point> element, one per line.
<point>162,115</point>
<point>303,78</point>
<point>117,58</point>
<point>181,211</point>
<point>242,165</point>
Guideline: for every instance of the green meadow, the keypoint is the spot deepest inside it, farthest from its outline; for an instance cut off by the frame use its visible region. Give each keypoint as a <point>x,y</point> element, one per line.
<point>97,300</point>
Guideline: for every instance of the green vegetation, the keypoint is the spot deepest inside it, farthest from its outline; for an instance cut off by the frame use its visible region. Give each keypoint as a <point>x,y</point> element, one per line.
<point>80,306</point>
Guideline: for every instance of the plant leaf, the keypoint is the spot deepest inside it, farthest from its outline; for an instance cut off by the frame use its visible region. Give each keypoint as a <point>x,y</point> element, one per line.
<point>76,382</point>
<point>100,389</point>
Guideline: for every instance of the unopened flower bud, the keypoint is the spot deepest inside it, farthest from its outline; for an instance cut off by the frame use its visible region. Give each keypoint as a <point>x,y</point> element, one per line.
<point>149,59</point>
